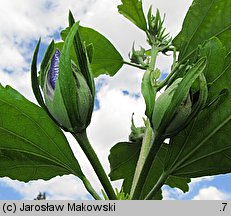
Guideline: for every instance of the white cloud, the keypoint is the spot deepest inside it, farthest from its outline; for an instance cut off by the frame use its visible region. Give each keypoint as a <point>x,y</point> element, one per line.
<point>22,21</point>
<point>10,56</point>
<point>176,193</point>
<point>25,19</point>
<point>211,193</point>
<point>19,81</point>
<point>196,181</point>
<point>167,194</point>
<point>65,187</point>
<point>112,121</point>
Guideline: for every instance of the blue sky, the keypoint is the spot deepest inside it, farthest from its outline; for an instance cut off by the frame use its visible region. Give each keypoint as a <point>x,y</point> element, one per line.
<point>22,22</point>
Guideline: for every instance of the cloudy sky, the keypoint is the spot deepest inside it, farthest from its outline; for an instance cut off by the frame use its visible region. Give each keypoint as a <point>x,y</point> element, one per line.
<point>22,22</point>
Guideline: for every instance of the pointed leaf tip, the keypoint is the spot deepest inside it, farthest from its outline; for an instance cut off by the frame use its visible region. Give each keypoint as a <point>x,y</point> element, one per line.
<point>71,19</point>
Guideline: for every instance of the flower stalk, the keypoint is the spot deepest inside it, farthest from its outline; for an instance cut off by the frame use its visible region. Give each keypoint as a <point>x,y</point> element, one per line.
<point>85,145</point>
<point>90,189</point>
<point>147,140</point>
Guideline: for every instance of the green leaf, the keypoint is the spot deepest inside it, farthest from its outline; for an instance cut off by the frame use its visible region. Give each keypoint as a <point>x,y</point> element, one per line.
<point>31,145</point>
<point>179,182</point>
<point>204,20</point>
<point>90,51</point>
<point>105,58</point>
<point>203,148</point>
<point>133,11</point>
<point>157,170</point>
<point>123,158</point>
<point>215,53</point>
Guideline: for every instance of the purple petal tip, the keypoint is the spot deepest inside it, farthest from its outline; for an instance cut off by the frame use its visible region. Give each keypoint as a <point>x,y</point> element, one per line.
<point>54,68</point>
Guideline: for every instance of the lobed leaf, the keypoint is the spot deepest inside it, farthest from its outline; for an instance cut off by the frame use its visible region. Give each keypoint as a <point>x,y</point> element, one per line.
<point>123,158</point>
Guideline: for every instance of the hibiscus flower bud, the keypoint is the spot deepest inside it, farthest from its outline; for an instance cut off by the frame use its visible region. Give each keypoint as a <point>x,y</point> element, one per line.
<point>174,109</point>
<point>67,84</point>
<point>181,112</point>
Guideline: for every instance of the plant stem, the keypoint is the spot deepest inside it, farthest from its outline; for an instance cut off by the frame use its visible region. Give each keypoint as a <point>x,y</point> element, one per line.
<point>157,186</point>
<point>94,160</point>
<point>90,189</point>
<point>147,141</point>
<point>154,54</point>
<point>153,148</point>
<point>135,65</point>
<point>146,167</point>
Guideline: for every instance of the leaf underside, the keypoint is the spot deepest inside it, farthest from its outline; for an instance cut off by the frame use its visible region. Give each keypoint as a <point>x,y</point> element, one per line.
<point>204,19</point>
<point>133,11</point>
<point>31,145</point>
<point>204,147</point>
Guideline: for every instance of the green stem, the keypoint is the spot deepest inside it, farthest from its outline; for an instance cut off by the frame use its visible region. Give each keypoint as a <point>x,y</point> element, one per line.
<point>154,54</point>
<point>146,167</point>
<point>135,65</point>
<point>157,186</point>
<point>90,189</point>
<point>147,141</point>
<point>153,149</point>
<point>94,160</point>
